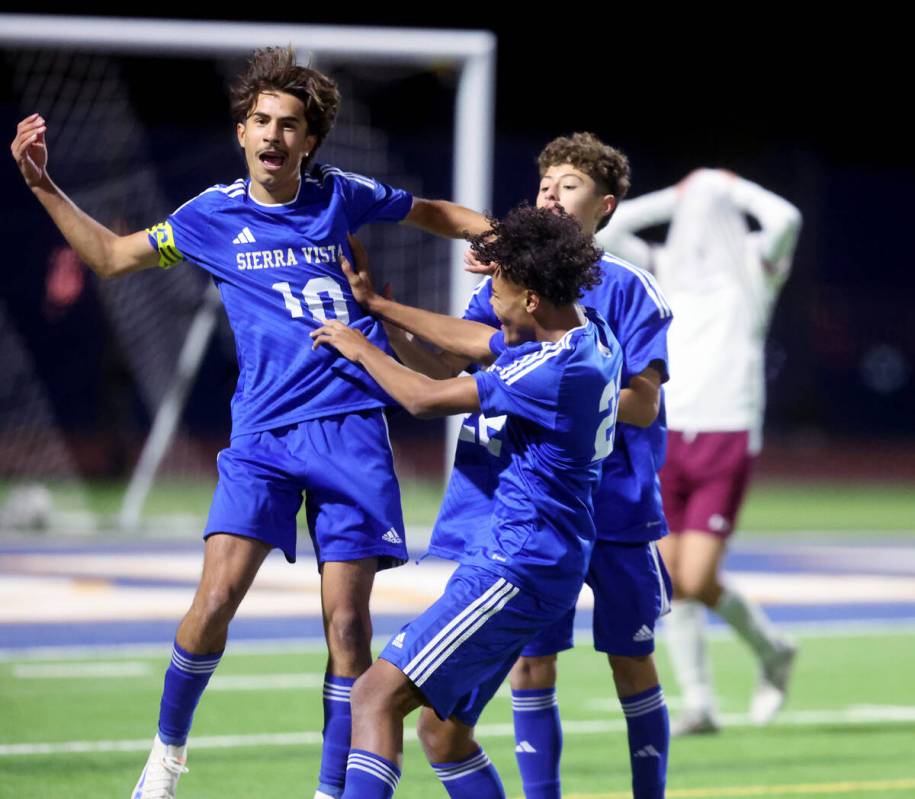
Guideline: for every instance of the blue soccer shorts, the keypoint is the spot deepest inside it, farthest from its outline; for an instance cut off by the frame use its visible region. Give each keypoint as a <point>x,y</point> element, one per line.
<point>344,466</point>
<point>632,591</point>
<point>459,651</point>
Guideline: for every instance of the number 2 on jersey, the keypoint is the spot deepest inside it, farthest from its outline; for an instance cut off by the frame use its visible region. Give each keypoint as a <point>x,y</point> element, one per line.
<point>311,293</point>
<point>603,440</point>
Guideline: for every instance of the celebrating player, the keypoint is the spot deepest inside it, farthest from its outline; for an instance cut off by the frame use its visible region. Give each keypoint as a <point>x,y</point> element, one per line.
<point>586,178</point>
<point>555,383</point>
<point>301,419</point>
<point>723,281</point>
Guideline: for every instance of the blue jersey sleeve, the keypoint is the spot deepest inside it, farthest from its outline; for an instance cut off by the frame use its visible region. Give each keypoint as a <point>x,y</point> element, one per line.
<point>642,329</point>
<point>367,200</point>
<point>479,309</point>
<point>525,387</point>
<point>183,235</point>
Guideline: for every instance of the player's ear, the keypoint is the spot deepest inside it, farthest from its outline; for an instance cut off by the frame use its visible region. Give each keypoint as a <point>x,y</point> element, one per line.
<point>531,301</point>
<point>310,143</point>
<point>607,206</point>
<point>240,132</point>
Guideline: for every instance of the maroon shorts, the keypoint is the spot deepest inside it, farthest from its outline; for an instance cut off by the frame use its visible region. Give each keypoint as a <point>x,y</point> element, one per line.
<point>704,480</point>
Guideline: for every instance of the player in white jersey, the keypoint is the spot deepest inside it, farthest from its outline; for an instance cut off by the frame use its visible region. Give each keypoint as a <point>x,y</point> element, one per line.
<point>722,280</point>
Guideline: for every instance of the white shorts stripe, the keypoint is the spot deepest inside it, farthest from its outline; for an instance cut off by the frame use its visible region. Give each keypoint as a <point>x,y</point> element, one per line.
<point>483,619</point>
<point>456,620</point>
<point>665,599</point>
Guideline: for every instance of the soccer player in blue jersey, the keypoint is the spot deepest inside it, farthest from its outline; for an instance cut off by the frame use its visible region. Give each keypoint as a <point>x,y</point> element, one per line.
<point>555,378</point>
<point>631,588</point>
<point>302,420</point>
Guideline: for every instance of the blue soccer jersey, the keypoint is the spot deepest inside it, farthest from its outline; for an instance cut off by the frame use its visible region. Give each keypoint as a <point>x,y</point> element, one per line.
<point>277,268</point>
<point>559,399</point>
<point>629,498</point>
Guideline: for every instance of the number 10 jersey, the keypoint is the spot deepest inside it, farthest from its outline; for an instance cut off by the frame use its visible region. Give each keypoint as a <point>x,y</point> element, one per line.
<point>277,268</point>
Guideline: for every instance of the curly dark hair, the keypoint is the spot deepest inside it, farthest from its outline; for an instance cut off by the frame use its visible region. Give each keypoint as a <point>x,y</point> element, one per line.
<point>275,69</point>
<point>605,165</point>
<point>543,250</point>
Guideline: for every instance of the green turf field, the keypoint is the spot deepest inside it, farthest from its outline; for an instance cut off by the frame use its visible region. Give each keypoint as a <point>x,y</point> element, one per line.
<point>836,508</point>
<point>848,730</point>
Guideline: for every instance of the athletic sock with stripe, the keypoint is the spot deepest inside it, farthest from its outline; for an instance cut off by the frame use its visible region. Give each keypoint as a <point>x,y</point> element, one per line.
<point>370,776</point>
<point>338,723</point>
<point>474,777</point>
<point>538,741</point>
<point>186,677</point>
<point>649,740</point>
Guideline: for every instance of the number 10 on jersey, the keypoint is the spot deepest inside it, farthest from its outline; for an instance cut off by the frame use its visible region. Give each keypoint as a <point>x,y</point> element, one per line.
<point>312,294</point>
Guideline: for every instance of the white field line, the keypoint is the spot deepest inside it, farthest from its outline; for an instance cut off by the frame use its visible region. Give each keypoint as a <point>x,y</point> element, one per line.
<point>853,787</point>
<point>281,646</point>
<point>128,669</point>
<point>851,716</point>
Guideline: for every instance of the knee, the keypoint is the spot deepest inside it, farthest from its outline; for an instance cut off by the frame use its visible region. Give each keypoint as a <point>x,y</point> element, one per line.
<point>531,673</point>
<point>698,588</point>
<point>633,675</point>
<point>444,741</point>
<point>217,604</point>
<point>349,629</point>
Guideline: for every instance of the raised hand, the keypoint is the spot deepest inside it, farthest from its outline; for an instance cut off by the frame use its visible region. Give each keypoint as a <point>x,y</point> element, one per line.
<point>30,150</point>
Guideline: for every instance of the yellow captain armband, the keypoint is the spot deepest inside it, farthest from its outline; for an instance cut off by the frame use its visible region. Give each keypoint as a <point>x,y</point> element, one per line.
<point>169,254</point>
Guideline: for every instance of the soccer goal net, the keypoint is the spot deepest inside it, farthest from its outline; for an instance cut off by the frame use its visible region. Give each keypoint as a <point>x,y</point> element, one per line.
<point>129,380</point>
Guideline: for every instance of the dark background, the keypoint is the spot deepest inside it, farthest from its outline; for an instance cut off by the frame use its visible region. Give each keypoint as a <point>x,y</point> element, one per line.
<point>815,110</point>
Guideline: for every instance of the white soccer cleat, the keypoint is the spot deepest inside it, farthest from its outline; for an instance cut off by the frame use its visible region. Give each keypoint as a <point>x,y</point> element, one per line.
<point>694,722</point>
<point>773,685</point>
<point>159,778</point>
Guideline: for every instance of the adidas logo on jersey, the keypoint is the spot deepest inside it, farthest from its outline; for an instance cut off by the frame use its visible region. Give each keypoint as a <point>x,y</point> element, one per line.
<point>398,640</point>
<point>644,634</point>
<point>391,537</point>
<point>526,748</point>
<point>647,751</point>
<point>245,237</point>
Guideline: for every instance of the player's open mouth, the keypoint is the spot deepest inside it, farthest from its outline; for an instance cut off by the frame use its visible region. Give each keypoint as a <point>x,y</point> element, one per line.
<point>272,160</point>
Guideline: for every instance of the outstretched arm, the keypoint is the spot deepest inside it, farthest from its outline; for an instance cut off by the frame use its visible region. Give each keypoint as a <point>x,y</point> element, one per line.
<point>413,354</point>
<point>105,252</point>
<point>463,338</point>
<point>444,218</point>
<point>422,396</point>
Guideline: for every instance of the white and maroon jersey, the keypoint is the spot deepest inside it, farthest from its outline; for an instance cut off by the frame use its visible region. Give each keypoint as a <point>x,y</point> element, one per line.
<point>721,280</point>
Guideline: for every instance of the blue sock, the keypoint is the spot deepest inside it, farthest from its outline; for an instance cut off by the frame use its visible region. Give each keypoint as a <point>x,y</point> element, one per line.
<point>538,742</point>
<point>338,723</point>
<point>370,776</point>
<point>186,677</point>
<point>649,740</point>
<point>474,777</point>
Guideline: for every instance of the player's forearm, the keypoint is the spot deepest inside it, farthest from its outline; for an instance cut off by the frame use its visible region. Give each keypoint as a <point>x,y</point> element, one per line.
<point>97,246</point>
<point>467,339</point>
<point>650,209</point>
<point>419,358</point>
<point>420,395</point>
<point>640,400</point>
<point>447,219</point>
<point>779,220</point>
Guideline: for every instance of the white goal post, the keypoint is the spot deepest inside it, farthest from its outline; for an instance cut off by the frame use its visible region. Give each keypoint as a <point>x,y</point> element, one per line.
<point>471,54</point>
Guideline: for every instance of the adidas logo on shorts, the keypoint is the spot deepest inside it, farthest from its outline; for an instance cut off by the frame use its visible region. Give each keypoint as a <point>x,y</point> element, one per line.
<point>644,634</point>
<point>391,537</point>
<point>526,748</point>
<point>398,640</point>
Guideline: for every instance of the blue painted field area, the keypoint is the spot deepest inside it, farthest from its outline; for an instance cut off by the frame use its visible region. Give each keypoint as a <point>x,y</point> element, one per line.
<point>71,594</point>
